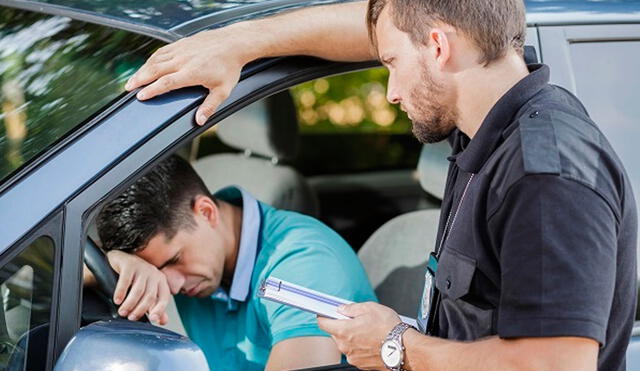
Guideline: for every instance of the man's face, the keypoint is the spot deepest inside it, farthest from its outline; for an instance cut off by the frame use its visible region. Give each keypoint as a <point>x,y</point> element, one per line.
<point>416,83</point>
<point>193,260</point>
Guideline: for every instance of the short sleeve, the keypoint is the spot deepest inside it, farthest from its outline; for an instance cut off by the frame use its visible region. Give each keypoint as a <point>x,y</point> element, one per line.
<point>322,268</point>
<point>557,249</point>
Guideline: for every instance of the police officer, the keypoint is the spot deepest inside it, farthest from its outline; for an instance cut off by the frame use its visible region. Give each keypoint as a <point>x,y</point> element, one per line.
<point>535,263</point>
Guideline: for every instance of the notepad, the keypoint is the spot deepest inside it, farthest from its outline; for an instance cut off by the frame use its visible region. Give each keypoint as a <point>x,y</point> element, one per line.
<point>306,299</point>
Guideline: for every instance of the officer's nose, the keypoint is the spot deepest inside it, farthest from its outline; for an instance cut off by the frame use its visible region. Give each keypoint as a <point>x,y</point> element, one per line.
<point>393,95</point>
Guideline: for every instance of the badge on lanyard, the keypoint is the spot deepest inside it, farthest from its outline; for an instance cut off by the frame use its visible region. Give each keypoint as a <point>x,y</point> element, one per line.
<point>427,293</point>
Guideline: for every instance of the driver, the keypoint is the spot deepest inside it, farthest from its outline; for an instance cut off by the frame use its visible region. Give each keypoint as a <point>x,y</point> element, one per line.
<point>166,234</point>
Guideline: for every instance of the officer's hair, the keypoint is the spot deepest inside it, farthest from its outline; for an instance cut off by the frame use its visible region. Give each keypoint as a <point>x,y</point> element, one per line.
<point>159,202</point>
<point>495,26</point>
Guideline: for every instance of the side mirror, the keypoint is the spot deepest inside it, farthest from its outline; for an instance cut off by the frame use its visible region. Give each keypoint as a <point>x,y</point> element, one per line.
<point>127,345</point>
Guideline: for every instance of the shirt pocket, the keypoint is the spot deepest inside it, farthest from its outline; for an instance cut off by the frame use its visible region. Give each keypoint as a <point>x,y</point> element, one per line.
<point>458,318</point>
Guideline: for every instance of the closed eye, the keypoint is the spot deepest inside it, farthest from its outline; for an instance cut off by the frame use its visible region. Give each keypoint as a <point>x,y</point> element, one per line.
<point>173,261</point>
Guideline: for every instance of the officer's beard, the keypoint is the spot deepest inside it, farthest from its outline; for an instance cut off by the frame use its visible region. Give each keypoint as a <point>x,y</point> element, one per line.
<point>434,113</point>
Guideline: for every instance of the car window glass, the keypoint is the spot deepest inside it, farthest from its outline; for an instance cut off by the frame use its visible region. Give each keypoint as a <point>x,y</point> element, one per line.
<point>610,94</point>
<point>26,283</point>
<point>54,74</point>
<point>345,126</point>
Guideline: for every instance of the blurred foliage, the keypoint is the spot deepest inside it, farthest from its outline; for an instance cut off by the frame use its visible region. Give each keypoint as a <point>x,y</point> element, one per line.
<point>351,103</point>
<point>56,73</point>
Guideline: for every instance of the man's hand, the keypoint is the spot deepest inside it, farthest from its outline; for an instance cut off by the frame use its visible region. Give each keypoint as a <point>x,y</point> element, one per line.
<point>215,58</point>
<point>148,290</point>
<point>212,59</point>
<point>360,337</point>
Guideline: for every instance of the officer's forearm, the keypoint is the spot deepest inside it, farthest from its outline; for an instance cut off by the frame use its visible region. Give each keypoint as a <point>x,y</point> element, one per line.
<point>558,353</point>
<point>335,32</point>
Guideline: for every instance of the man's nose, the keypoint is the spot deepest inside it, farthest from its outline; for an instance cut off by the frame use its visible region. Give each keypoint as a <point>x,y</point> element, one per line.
<point>174,279</point>
<point>392,92</point>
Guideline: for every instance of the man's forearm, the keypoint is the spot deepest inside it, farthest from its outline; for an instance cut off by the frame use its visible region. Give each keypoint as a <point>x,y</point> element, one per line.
<point>559,353</point>
<point>335,32</point>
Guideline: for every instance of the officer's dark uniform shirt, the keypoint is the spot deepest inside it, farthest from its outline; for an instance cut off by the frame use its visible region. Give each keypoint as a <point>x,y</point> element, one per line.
<point>544,243</point>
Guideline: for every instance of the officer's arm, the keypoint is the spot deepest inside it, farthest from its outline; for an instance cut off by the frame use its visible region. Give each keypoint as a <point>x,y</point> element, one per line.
<point>303,352</point>
<point>214,58</point>
<point>545,353</point>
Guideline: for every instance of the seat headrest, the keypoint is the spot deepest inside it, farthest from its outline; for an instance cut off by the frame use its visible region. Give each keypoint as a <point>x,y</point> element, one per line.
<point>433,167</point>
<point>267,128</point>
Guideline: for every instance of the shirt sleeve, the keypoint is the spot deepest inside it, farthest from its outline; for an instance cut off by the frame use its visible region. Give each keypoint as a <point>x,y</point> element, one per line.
<point>320,267</point>
<point>557,249</point>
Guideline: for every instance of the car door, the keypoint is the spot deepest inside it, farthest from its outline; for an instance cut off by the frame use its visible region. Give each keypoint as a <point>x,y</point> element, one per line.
<point>599,63</point>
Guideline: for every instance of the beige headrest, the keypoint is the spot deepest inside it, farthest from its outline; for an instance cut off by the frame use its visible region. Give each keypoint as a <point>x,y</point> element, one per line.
<point>267,128</point>
<point>433,167</point>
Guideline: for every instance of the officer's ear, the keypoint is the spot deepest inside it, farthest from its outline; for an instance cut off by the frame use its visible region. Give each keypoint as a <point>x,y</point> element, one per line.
<point>440,47</point>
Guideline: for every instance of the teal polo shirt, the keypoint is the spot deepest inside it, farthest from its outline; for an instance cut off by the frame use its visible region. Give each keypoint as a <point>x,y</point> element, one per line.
<point>236,329</point>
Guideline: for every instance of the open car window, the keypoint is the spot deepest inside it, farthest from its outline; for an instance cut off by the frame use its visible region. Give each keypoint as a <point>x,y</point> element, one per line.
<point>55,73</point>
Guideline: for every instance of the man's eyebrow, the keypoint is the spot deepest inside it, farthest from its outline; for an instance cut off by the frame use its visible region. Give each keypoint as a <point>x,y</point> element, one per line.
<point>173,260</point>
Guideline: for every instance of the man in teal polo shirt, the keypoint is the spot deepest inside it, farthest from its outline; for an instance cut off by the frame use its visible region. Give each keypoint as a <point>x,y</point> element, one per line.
<point>213,252</point>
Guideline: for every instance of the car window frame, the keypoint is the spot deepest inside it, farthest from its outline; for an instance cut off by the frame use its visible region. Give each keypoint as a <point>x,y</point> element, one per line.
<point>265,79</point>
<point>50,227</point>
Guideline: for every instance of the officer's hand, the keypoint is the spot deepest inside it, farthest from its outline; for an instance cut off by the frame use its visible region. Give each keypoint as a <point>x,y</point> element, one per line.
<point>212,59</point>
<point>147,287</point>
<point>360,337</point>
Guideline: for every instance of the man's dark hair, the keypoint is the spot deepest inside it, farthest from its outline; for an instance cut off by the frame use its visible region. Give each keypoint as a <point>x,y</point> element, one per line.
<point>159,202</point>
<point>494,26</point>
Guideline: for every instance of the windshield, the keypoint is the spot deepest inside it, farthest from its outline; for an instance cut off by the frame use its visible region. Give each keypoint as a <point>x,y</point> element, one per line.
<point>55,73</point>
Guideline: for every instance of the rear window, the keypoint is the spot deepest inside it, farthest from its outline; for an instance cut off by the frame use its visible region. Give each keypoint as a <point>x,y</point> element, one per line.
<point>55,73</point>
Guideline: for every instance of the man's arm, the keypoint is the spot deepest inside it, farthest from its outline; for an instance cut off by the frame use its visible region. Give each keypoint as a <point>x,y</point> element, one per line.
<point>303,352</point>
<point>547,353</point>
<point>360,339</point>
<point>141,287</point>
<point>215,58</point>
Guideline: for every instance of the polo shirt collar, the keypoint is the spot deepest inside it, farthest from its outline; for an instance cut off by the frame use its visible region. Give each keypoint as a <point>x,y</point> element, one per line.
<point>248,247</point>
<point>501,116</point>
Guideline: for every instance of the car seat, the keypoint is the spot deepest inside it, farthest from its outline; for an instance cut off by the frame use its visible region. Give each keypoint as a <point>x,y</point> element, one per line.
<point>395,256</point>
<point>267,133</point>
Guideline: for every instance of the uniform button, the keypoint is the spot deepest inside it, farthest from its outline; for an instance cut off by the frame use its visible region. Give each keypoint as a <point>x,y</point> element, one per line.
<point>534,115</point>
<point>448,283</point>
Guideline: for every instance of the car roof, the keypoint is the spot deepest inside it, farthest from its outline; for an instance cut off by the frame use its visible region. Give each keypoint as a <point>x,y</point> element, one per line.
<point>171,20</point>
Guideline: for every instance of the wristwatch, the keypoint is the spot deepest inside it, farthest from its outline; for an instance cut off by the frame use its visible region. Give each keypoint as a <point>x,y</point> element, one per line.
<point>392,351</point>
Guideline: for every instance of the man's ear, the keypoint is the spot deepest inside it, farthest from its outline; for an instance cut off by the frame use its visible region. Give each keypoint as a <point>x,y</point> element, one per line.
<point>439,40</point>
<point>204,206</point>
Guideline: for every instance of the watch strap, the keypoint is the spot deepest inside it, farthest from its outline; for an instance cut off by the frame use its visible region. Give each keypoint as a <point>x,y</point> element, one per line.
<point>396,334</point>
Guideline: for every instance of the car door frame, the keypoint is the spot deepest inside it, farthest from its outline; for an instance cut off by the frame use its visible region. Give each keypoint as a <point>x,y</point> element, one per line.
<point>165,123</point>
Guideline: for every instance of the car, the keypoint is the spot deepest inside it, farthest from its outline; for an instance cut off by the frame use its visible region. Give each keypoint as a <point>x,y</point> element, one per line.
<point>72,139</point>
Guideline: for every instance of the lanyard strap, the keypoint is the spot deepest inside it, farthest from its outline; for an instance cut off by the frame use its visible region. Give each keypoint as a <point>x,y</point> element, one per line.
<point>448,227</point>
<point>434,257</point>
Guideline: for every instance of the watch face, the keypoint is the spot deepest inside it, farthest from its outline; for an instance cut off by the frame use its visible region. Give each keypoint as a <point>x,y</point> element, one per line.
<point>391,353</point>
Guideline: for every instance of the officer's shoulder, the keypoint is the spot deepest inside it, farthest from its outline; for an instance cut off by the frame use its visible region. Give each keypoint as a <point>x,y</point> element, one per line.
<point>557,136</point>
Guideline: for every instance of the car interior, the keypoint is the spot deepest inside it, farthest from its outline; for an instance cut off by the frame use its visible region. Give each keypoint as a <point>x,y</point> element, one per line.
<point>389,216</point>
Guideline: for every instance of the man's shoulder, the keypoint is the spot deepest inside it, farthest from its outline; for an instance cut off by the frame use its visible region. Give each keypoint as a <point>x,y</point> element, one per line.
<point>290,227</point>
<point>299,247</point>
<point>555,136</point>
